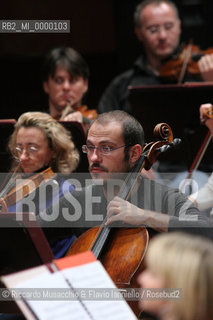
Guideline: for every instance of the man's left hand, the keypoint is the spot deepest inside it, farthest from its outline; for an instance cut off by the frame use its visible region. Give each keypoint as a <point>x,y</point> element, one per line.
<point>122,210</point>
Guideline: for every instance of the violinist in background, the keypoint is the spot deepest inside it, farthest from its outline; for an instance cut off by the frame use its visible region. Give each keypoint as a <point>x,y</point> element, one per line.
<point>65,79</point>
<point>46,156</point>
<point>158,28</point>
<point>203,199</point>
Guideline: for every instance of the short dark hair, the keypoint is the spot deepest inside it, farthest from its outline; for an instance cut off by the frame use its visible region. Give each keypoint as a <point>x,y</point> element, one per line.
<point>132,129</point>
<point>67,58</point>
<point>143,4</point>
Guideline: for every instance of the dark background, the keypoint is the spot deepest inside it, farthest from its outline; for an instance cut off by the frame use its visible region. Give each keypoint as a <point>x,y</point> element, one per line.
<point>101,30</point>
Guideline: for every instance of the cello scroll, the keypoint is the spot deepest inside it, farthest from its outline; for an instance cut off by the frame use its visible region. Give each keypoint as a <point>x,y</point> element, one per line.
<point>163,133</point>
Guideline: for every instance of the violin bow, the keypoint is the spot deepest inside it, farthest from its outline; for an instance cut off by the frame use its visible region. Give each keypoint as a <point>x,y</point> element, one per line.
<point>68,109</point>
<point>198,158</point>
<point>185,63</point>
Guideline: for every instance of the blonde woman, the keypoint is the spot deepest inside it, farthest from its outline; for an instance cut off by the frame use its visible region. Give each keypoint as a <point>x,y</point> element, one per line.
<point>61,154</point>
<point>46,154</point>
<point>183,263</point>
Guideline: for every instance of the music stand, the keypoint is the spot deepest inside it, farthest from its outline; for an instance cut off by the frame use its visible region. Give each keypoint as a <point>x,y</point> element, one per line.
<point>22,245</point>
<point>6,129</point>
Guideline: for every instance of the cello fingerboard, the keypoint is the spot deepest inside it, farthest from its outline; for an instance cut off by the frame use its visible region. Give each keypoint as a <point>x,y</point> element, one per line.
<point>100,241</point>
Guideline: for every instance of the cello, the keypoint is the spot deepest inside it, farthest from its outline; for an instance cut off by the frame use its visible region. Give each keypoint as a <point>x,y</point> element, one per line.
<point>121,250</point>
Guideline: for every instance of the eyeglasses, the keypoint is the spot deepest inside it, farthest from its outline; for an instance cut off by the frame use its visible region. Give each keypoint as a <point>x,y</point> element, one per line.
<point>29,150</point>
<point>105,150</point>
<point>156,28</point>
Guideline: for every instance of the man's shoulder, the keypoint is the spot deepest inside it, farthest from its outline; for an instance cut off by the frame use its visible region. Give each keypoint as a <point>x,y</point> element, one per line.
<point>123,77</point>
<point>156,184</point>
<point>155,187</point>
<point>128,73</point>
<point>91,189</point>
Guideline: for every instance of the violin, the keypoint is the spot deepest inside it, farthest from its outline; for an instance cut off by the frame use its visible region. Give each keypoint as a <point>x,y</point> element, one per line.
<point>88,114</point>
<point>184,63</point>
<point>121,251</point>
<point>26,187</point>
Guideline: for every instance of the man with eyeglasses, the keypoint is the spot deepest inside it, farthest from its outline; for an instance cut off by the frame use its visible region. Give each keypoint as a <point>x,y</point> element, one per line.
<point>114,145</point>
<point>158,28</point>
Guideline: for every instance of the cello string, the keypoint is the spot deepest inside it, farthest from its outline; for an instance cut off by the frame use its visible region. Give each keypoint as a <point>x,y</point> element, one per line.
<point>132,177</point>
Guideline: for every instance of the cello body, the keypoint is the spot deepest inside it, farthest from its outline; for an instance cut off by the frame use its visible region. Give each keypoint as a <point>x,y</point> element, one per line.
<point>126,248</point>
<point>122,256</point>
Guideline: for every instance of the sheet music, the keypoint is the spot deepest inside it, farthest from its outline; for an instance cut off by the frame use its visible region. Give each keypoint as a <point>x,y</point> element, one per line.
<point>50,309</point>
<point>88,276</point>
<point>92,276</point>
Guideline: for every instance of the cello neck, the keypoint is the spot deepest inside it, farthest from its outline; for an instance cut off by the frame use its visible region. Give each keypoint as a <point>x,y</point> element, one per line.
<point>124,193</point>
<point>100,241</point>
<point>147,158</point>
